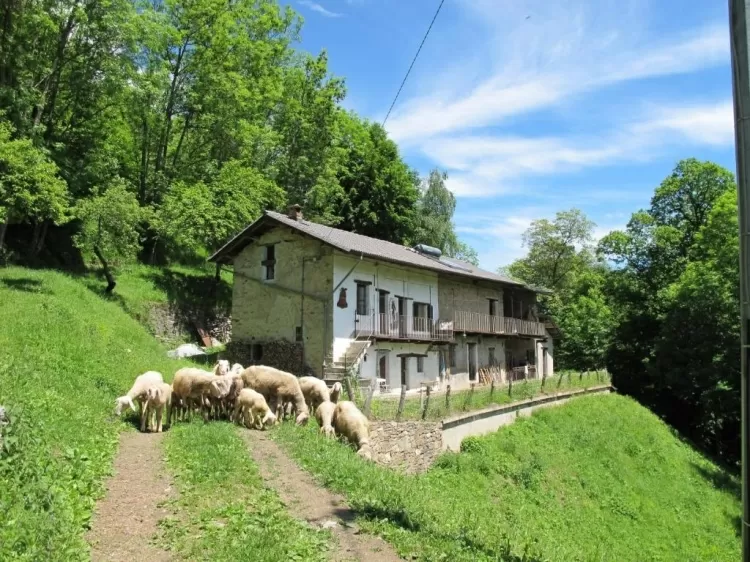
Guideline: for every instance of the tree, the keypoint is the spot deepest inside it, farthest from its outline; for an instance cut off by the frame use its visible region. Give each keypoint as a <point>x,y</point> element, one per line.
<point>201,216</point>
<point>465,253</point>
<point>30,188</point>
<point>110,227</point>
<point>557,249</point>
<point>377,192</point>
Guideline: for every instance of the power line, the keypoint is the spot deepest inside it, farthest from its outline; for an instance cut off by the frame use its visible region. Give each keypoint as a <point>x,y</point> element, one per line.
<point>413,61</point>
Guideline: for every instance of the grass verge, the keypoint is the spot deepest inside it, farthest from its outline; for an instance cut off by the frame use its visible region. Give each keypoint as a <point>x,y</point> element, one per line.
<point>481,397</point>
<point>223,511</point>
<point>65,354</point>
<point>600,478</point>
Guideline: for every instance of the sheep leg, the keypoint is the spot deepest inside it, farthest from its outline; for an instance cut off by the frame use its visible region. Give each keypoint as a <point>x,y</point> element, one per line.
<point>143,412</point>
<point>159,412</point>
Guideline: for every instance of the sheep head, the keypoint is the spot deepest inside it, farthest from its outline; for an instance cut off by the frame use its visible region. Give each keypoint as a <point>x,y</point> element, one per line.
<point>335,392</point>
<point>222,367</point>
<point>153,394</point>
<point>123,402</point>
<point>302,418</point>
<point>328,431</point>
<point>269,418</point>
<point>237,369</point>
<point>364,452</point>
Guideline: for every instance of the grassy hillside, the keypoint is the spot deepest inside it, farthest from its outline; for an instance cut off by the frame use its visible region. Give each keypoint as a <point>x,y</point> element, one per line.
<point>600,478</point>
<point>65,354</point>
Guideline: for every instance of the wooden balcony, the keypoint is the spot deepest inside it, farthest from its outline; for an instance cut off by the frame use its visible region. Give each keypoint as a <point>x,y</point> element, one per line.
<point>477,323</point>
<point>385,326</point>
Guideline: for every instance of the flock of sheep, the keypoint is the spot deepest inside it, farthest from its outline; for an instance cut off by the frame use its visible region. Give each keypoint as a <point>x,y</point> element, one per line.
<point>243,396</point>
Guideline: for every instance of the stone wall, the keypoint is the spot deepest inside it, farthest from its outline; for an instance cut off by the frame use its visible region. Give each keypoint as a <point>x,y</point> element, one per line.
<point>408,446</point>
<point>280,354</point>
<point>264,311</point>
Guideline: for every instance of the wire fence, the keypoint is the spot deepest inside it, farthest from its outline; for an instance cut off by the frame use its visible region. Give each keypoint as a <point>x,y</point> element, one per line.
<point>432,405</point>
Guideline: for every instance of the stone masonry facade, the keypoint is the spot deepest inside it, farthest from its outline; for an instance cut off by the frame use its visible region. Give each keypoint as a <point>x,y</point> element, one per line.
<point>408,446</point>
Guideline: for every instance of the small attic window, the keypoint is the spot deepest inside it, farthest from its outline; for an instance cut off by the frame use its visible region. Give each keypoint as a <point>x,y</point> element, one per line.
<point>269,262</point>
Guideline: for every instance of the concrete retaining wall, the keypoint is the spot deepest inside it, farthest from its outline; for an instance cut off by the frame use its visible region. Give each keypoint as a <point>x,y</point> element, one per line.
<point>481,422</point>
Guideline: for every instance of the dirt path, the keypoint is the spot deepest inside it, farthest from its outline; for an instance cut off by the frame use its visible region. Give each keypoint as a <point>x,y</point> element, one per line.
<point>126,519</point>
<point>306,500</point>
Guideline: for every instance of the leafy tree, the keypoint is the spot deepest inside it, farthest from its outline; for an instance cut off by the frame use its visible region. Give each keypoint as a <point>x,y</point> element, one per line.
<point>377,192</point>
<point>110,227</point>
<point>554,255</point>
<point>30,188</point>
<point>466,253</point>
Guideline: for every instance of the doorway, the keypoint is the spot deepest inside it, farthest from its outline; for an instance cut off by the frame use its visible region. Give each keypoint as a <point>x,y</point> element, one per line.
<point>472,362</point>
<point>383,311</point>
<point>401,317</point>
<point>404,370</point>
<point>383,367</point>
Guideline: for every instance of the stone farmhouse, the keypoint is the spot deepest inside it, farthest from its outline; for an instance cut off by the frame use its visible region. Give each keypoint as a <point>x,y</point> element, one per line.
<point>313,299</point>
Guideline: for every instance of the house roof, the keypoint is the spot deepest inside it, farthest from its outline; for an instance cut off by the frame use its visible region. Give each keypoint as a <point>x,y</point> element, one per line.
<point>357,244</point>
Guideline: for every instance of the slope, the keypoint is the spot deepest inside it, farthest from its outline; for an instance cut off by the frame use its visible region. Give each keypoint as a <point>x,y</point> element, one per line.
<point>65,354</point>
<point>600,478</point>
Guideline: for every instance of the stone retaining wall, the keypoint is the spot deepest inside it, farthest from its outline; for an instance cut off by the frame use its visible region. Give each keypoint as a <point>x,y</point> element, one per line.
<point>408,446</point>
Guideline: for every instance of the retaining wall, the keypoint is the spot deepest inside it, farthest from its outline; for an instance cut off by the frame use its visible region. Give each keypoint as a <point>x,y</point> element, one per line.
<point>408,446</point>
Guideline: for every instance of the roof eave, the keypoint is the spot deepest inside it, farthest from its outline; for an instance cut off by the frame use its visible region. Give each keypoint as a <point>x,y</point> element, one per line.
<point>219,256</point>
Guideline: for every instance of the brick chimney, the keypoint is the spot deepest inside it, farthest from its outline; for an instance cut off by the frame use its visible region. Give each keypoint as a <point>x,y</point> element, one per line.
<point>295,212</point>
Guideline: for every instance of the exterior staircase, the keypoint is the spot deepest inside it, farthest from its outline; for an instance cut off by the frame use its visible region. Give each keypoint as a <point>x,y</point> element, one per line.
<point>337,370</point>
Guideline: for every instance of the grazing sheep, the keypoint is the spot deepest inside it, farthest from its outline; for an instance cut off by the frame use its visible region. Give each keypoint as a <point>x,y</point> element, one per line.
<point>315,391</point>
<point>236,369</point>
<point>158,397</point>
<point>137,392</point>
<point>277,387</point>
<point>335,392</point>
<point>190,389</point>
<point>253,409</point>
<point>349,422</point>
<point>324,415</point>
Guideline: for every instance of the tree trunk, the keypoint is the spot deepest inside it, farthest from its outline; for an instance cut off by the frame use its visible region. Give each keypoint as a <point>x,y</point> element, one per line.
<point>107,273</point>
<point>3,228</point>
<point>218,272</point>
<point>40,241</point>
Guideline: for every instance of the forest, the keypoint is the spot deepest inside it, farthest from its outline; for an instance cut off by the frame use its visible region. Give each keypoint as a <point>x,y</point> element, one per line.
<point>656,303</point>
<point>158,129</point>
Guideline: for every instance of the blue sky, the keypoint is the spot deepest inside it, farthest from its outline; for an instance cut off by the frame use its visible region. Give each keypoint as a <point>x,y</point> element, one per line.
<point>534,106</point>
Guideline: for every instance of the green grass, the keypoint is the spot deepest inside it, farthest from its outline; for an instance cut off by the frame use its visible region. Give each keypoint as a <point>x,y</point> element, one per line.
<point>65,354</point>
<point>182,288</point>
<point>482,396</point>
<point>223,511</point>
<point>600,478</point>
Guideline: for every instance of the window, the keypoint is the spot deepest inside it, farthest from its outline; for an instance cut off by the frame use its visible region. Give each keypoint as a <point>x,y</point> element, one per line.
<point>269,263</point>
<point>493,307</point>
<point>420,364</point>
<point>491,358</point>
<point>361,299</point>
<point>452,355</point>
<point>256,352</point>
<point>298,333</point>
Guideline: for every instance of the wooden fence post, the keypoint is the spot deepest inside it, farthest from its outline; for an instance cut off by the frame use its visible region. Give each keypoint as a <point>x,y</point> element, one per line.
<point>426,404</point>
<point>348,388</point>
<point>368,398</point>
<point>467,402</point>
<point>492,389</point>
<point>401,403</point>
<point>448,399</point>
<point>510,384</point>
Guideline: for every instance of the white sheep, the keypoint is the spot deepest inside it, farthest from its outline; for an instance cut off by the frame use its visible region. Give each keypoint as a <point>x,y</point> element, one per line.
<point>253,409</point>
<point>315,391</point>
<point>236,369</point>
<point>335,392</point>
<point>190,389</point>
<point>352,424</point>
<point>137,392</point>
<point>158,397</point>
<point>324,415</point>
<point>277,387</point>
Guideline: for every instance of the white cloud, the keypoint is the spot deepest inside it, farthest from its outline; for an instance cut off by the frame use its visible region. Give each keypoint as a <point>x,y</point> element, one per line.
<point>315,7</point>
<point>562,51</point>
<point>483,165</point>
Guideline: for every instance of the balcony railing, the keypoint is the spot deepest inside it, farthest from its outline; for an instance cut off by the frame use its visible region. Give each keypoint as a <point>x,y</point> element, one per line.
<point>476,322</point>
<point>402,327</point>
